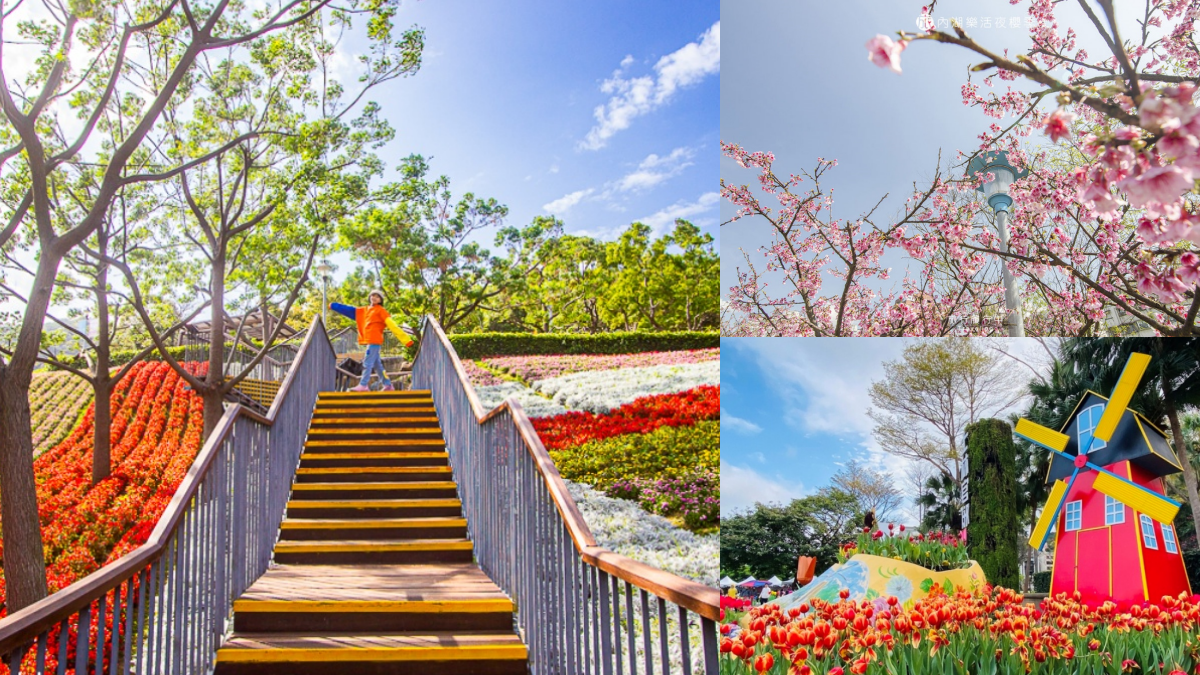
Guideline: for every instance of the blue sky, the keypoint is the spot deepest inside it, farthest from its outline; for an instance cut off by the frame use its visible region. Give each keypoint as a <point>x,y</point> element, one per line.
<point>796,81</point>
<point>794,410</point>
<point>506,104</point>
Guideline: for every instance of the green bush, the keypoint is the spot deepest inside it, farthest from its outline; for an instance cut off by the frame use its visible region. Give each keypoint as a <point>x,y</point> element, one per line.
<point>483,345</point>
<point>1041,582</point>
<point>663,453</point>
<point>992,495</point>
<point>121,357</point>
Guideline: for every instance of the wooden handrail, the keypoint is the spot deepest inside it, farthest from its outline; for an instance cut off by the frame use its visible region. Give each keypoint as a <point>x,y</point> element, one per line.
<point>25,625</point>
<point>696,597</point>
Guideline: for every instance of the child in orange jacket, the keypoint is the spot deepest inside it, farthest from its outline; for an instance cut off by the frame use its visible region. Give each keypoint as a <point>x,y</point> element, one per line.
<point>371,321</point>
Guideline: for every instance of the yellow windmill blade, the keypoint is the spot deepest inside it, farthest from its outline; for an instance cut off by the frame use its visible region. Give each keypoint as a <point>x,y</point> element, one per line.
<point>1049,514</point>
<point>1137,497</point>
<point>1127,384</point>
<point>1043,436</point>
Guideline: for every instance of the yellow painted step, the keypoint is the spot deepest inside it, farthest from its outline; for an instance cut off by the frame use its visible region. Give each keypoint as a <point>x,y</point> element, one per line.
<point>377,432</point>
<point>355,487</point>
<point>361,523</point>
<point>256,654</point>
<point>342,443</point>
<point>374,394</point>
<point>390,606</point>
<point>372,503</point>
<point>431,421</point>
<point>373,546</point>
<point>330,470</point>
<point>341,408</point>
<point>373,455</point>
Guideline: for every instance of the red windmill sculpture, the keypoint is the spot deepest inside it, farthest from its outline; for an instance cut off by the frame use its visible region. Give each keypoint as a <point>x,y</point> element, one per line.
<point>1115,539</point>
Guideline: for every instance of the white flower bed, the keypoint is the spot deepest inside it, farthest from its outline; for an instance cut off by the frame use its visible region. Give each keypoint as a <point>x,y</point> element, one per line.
<point>622,526</point>
<point>535,406</point>
<point>601,391</point>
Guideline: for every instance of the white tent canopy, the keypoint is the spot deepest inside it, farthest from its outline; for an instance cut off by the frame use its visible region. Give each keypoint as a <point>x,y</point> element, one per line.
<point>726,582</point>
<point>747,580</point>
<point>774,581</point>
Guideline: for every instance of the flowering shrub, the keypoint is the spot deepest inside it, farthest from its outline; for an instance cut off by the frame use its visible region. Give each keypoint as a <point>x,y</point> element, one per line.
<point>601,391</point>
<point>481,376</point>
<point>988,632</point>
<point>936,551</point>
<point>56,402</point>
<point>535,406</point>
<point>668,452</point>
<point>642,415</point>
<point>533,368</point>
<point>694,498</point>
<point>156,433</point>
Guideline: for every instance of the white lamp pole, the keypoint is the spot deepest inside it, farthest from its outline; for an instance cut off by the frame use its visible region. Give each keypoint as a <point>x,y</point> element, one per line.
<point>324,269</point>
<point>996,191</point>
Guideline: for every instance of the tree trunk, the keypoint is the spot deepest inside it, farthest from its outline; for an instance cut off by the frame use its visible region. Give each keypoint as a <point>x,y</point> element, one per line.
<point>1181,451</point>
<point>214,400</point>
<point>102,429</point>
<point>24,560</point>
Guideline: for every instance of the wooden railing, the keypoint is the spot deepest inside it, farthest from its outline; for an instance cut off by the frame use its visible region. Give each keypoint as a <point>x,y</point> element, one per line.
<point>163,607</point>
<point>581,608</point>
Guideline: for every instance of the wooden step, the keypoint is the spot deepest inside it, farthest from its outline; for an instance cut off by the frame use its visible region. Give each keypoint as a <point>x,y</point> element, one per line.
<point>355,445</point>
<point>373,552</point>
<point>312,529</point>
<point>394,412</point>
<point>355,474</point>
<point>374,508</point>
<point>379,490</point>
<point>443,653</point>
<point>374,433</point>
<point>401,393</point>
<point>311,460</point>
<point>386,422</point>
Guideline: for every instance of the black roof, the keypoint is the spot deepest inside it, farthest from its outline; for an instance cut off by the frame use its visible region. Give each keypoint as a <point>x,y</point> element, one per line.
<point>1136,439</point>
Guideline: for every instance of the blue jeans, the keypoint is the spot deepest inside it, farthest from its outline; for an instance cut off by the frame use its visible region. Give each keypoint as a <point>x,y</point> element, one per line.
<point>370,363</point>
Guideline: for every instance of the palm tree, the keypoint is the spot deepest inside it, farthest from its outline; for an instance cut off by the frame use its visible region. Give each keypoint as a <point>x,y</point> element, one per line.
<point>942,503</point>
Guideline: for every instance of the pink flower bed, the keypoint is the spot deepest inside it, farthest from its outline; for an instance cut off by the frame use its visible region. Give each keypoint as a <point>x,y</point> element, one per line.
<point>533,368</point>
<point>480,376</point>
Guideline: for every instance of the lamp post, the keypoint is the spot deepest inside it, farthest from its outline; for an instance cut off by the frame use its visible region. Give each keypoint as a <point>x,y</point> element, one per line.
<point>324,269</point>
<point>996,191</point>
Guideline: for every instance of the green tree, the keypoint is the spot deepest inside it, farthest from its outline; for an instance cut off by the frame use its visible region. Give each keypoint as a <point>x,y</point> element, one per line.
<point>875,490</point>
<point>993,506</point>
<point>768,539</point>
<point>929,396</point>
<point>942,502</point>
<point>419,242</point>
<point>653,289</point>
<point>114,71</point>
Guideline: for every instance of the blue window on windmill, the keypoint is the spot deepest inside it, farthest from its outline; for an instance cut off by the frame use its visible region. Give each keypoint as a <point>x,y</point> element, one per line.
<point>1088,419</point>
<point>1074,516</point>
<point>1148,532</point>
<point>1114,511</point>
<point>1169,539</point>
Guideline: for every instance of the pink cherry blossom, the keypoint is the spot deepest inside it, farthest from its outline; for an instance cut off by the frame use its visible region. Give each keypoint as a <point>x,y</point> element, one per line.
<point>1058,125</point>
<point>884,52</point>
<point>1157,186</point>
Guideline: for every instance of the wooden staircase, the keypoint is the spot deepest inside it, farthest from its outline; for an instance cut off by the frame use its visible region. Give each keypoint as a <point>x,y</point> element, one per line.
<point>373,572</point>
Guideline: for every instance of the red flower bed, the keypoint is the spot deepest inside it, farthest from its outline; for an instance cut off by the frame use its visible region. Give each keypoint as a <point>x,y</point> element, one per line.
<point>156,433</point>
<point>643,415</point>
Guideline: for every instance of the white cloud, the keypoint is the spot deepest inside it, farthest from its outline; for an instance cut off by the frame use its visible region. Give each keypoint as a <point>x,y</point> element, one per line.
<point>666,217</point>
<point>563,204</point>
<point>742,488</point>
<point>738,424</point>
<point>634,97</point>
<point>654,170</point>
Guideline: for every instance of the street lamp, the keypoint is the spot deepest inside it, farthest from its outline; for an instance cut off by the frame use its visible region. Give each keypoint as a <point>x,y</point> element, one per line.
<point>324,269</point>
<point>996,192</point>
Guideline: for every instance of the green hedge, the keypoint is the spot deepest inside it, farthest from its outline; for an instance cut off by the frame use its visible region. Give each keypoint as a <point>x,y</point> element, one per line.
<point>1041,582</point>
<point>121,357</point>
<point>483,345</point>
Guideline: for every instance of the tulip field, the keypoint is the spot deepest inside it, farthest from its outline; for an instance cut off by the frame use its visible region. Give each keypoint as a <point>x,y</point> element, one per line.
<point>57,400</point>
<point>991,632</point>
<point>156,433</point>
